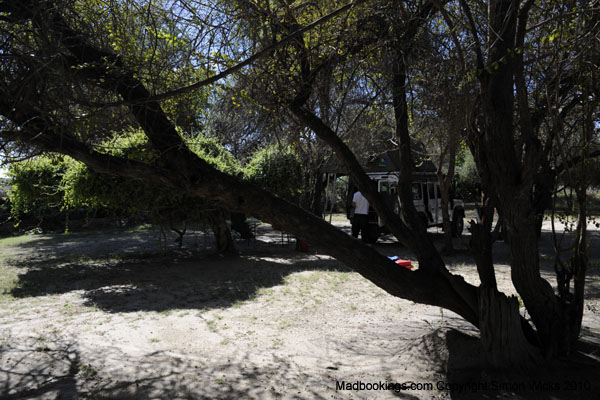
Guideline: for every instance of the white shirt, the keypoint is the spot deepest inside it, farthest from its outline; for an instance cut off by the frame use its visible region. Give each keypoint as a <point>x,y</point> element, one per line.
<point>362,205</point>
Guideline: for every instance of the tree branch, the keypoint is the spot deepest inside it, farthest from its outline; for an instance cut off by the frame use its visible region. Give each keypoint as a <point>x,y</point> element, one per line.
<point>235,194</point>
<point>264,52</point>
<point>478,51</point>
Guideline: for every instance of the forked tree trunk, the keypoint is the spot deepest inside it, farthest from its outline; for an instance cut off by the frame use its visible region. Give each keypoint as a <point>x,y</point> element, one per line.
<point>180,233</point>
<point>506,168</point>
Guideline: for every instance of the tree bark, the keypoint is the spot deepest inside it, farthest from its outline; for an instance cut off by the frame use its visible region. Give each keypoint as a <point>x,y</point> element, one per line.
<point>579,264</point>
<point>316,202</point>
<point>481,246</point>
<point>538,296</point>
<point>508,167</point>
<point>180,234</point>
<point>445,181</point>
<point>502,334</point>
<point>223,239</point>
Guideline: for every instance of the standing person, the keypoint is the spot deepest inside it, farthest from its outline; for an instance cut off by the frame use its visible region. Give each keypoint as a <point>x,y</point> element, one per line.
<point>360,222</point>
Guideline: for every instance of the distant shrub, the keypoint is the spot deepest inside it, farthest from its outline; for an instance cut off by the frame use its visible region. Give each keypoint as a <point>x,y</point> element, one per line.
<point>277,170</point>
<point>467,179</point>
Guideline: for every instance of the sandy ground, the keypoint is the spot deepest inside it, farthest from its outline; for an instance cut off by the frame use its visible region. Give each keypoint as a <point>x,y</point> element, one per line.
<point>106,315</point>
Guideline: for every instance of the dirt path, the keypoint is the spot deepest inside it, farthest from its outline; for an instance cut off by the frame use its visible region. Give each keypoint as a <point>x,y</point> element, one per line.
<point>105,316</point>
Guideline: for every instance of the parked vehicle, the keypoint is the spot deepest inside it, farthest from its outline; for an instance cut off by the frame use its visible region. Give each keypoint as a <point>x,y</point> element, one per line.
<point>383,170</point>
<point>427,199</point>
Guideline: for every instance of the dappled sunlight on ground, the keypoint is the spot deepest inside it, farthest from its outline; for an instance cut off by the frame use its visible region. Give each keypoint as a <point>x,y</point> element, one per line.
<point>99,317</point>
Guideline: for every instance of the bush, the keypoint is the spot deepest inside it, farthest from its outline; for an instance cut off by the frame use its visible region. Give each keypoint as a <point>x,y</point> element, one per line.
<point>51,183</point>
<point>36,186</point>
<point>277,170</point>
<point>467,179</point>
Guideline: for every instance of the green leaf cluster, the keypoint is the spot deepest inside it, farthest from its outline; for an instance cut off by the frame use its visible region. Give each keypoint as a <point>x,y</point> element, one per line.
<point>35,185</point>
<point>276,169</point>
<point>210,150</point>
<point>53,182</point>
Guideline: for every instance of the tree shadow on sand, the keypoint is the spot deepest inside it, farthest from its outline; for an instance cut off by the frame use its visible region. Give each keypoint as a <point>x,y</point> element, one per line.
<point>57,368</point>
<point>39,368</point>
<point>169,281</point>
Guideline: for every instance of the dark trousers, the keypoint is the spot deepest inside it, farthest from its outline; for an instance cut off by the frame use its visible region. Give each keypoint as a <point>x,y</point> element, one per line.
<point>360,223</point>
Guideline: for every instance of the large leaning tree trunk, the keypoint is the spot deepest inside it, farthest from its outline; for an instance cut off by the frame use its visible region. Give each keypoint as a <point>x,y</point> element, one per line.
<point>70,56</point>
<point>506,336</point>
<point>407,227</point>
<point>180,169</point>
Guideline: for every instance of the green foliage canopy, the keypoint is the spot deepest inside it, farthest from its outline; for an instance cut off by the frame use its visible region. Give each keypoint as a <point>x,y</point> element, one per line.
<point>53,182</point>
